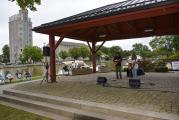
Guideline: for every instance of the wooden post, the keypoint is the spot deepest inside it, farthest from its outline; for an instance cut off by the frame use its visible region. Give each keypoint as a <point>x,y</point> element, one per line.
<point>52,58</point>
<point>94,56</point>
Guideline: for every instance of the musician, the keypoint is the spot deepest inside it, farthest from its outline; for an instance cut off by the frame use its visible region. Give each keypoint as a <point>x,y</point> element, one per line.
<point>46,71</point>
<point>135,66</point>
<point>129,69</point>
<point>117,61</point>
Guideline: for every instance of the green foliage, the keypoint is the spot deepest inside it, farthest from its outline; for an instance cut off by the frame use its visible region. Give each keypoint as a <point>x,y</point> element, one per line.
<point>115,50</point>
<point>74,52</point>
<point>161,69</point>
<point>175,43</point>
<point>22,59</point>
<point>9,113</point>
<point>33,53</point>
<point>126,53</point>
<point>104,50</point>
<point>148,66</point>
<point>77,52</point>
<point>63,54</point>
<point>142,50</point>
<point>164,46</point>
<point>6,53</point>
<point>175,56</point>
<point>98,54</point>
<point>84,52</point>
<point>24,4</point>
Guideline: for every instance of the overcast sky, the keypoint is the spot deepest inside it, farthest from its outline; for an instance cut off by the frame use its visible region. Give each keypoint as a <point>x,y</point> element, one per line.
<point>51,10</point>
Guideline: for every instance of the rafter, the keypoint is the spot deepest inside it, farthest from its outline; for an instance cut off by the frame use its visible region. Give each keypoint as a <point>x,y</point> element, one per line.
<point>130,26</point>
<point>60,40</point>
<point>100,46</point>
<point>89,46</point>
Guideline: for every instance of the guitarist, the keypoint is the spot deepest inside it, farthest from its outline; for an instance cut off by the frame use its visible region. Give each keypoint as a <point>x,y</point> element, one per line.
<point>117,61</point>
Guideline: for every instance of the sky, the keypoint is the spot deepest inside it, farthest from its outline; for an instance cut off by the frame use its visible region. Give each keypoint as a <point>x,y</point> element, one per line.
<point>51,10</point>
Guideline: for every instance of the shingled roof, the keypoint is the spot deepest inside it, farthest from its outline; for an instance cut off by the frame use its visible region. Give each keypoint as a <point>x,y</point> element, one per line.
<point>110,10</point>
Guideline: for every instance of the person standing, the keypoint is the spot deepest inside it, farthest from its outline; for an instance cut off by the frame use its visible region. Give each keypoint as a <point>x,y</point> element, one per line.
<point>46,71</point>
<point>117,61</point>
<point>134,66</point>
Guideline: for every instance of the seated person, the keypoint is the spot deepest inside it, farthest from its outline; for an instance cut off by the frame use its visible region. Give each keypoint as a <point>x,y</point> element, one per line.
<point>66,69</point>
<point>9,76</point>
<point>27,75</point>
<point>18,75</point>
<point>2,80</point>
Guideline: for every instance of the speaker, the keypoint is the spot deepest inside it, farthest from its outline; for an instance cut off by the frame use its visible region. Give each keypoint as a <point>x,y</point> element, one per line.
<point>134,83</point>
<point>101,81</point>
<point>46,51</point>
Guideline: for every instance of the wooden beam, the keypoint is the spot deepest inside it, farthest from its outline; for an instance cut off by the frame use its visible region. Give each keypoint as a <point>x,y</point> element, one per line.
<point>100,46</point>
<point>59,41</point>
<point>108,31</point>
<point>52,58</point>
<point>94,56</point>
<point>89,47</point>
<point>130,26</point>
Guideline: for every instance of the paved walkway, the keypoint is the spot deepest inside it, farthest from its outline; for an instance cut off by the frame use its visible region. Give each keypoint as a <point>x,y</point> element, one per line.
<point>150,81</point>
<point>159,91</point>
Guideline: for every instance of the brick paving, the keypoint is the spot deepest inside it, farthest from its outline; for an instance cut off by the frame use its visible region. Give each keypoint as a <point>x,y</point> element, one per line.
<point>159,91</point>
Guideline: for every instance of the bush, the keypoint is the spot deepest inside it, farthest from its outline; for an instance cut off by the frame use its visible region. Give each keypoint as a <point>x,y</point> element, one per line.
<point>148,66</point>
<point>161,69</point>
<point>125,69</point>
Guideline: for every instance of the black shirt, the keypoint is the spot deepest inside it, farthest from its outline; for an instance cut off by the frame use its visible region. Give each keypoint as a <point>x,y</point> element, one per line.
<point>117,60</point>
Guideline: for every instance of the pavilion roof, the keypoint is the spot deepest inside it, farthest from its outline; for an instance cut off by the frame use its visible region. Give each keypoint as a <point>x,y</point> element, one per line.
<point>109,10</point>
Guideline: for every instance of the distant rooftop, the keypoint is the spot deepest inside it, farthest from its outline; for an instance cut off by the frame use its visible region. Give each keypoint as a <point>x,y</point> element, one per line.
<point>72,44</point>
<point>110,10</point>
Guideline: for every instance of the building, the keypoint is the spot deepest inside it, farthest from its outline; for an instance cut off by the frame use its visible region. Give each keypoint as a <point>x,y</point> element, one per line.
<point>65,46</point>
<point>20,34</point>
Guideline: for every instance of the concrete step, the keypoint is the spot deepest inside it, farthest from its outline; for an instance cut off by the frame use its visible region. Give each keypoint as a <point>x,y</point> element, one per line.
<point>35,111</point>
<point>69,113</point>
<point>91,107</point>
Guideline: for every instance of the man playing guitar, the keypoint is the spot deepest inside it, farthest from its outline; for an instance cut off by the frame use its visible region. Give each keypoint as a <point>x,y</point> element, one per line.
<point>117,61</point>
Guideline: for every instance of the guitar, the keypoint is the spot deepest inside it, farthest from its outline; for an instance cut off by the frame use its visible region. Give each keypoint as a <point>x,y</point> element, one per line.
<point>130,66</point>
<point>116,62</point>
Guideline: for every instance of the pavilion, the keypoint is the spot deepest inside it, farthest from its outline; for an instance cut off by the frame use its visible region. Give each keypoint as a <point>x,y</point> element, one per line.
<point>123,20</point>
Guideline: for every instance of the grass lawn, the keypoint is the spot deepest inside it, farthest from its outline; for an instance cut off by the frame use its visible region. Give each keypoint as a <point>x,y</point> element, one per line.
<point>9,113</point>
<point>22,80</point>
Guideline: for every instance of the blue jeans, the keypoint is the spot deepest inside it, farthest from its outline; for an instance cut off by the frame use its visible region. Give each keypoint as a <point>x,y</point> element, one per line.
<point>118,72</point>
<point>134,73</point>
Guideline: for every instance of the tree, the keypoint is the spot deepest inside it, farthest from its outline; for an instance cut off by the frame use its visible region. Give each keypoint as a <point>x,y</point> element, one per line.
<point>165,46</point>
<point>104,50</point>
<point>84,52</point>
<point>141,50</point>
<point>63,54</point>
<point>175,42</point>
<point>74,52</point>
<point>115,50</point>
<point>24,4</point>
<point>6,53</point>
<point>126,53</point>
<point>33,53</point>
<point>98,54</point>
<point>175,56</point>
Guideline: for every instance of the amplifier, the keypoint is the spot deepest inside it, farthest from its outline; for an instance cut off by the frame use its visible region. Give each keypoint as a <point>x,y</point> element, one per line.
<point>101,81</point>
<point>134,83</point>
